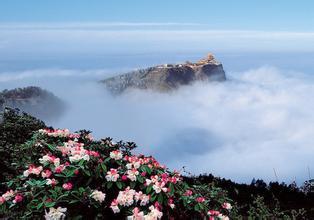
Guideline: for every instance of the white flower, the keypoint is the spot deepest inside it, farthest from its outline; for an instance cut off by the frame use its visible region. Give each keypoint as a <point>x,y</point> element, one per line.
<point>8,195</point>
<point>134,165</point>
<point>32,170</point>
<point>139,196</point>
<point>50,159</point>
<point>44,159</point>
<point>129,166</point>
<point>126,197</point>
<point>148,182</point>
<point>227,205</point>
<point>51,182</point>
<point>137,215</point>
<point>117,155</point>
<point>78,157</point>
<point>153,214</point>
<point>26,173</point>
<point>55,214</point>
<point>131,174</point>
<point>159,186</point>
<point>223,217</point>
<point>114,206</point>
<point>112,175</point>
<point>98,196</point>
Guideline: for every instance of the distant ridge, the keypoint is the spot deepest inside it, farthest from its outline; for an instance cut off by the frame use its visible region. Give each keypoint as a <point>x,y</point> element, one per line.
<point>33,100</point>
<point>167,77</point>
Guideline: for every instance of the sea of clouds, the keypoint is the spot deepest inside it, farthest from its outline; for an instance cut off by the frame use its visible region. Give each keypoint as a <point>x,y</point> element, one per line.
<point>257,121</point>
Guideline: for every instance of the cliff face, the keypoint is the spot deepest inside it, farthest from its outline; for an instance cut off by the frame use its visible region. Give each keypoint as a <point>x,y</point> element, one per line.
<point>33,100</point>
<point>168,77</point>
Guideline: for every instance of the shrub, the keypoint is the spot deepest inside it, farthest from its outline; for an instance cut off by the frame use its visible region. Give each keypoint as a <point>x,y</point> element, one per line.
<point>15,129</point>
<point>71,175</point>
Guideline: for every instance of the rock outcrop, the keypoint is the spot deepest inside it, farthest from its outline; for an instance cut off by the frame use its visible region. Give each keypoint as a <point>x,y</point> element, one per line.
<point>33,100</point>
<point>168,76</point>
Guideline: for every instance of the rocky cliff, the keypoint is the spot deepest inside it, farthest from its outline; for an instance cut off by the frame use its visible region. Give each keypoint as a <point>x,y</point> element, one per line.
<point>168,76</point>
<point>33,100</point>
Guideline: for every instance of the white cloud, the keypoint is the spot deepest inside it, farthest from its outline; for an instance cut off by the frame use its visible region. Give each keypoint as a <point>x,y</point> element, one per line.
<point>256,121</point>
<point>92,25</point>
<point>71,39</point>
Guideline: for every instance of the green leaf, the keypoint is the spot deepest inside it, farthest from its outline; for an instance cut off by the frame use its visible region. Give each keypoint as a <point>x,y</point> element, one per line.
<point>81,162</point>
<point>103,166</point>
<point>81,190</point>
<point>171,188</point>
<point>52,148</point>
<point>140,179</point>
<point>119,185</point>
<point>74,201</point>
<point>160,198</point>
<point>132,184</point>
<point>40,205</point>
<point>50,204</point>
<point>109,185</point>
<point>153,198</point>
<point>87,172</point>
<point>149,189</point>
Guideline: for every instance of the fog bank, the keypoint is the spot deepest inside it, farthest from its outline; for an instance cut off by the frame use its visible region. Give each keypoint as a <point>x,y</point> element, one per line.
<point>258,120</point>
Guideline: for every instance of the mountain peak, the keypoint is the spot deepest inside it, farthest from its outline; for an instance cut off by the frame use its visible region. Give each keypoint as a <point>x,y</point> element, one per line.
<point>167,77</point>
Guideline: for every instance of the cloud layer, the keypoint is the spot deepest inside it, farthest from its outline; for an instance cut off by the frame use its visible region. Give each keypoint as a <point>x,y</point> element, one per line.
<point>257,121</point>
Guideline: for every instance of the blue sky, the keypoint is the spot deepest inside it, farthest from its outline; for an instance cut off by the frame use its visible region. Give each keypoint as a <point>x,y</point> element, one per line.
<point>283,15</point>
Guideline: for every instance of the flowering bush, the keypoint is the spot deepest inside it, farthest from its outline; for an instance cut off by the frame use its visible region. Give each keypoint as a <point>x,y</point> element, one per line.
<point>73,176</point>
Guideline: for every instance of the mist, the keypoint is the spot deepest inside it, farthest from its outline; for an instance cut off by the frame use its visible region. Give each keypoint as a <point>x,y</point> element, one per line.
<point>256,121</point>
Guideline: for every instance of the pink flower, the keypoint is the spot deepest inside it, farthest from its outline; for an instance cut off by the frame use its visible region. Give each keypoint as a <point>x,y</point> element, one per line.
<point>18,198</point>
<point>173,179</point>
<point>46,173</point>
<point>2,200</point>
<point>33,170</point>
<point>170,203</point>
<point>124,178</point>
<point>114,206</point>
<point>67,186</point>
<point>160,186</point>
<point>157,205</point>
<point>143,174</point>
<point>131,174</point>
<point>76,172</point>
<point>51,182</point>
<point>213,213</point>
<point>59,169</point>
<point>93,153</point>
<point>164,177</point>
<point>226,205</point>
<point>112,175</point>
<point>188,193</point>
<point>8,195</point>
<point>200,199</point>
<point>137,214</point>
<point>50,159</point>
<point>116,155</point>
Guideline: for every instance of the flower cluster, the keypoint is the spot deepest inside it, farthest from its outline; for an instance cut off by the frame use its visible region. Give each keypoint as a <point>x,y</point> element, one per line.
<point>12,196</point>
<point>98,196</point>
<point>55,214</point>
<point>55,133</point>
<point>104,177</point>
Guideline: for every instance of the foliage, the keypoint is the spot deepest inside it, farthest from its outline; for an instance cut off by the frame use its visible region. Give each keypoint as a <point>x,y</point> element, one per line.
<point>75,176</point>
<point>273,199</point>
<point>15,129</point>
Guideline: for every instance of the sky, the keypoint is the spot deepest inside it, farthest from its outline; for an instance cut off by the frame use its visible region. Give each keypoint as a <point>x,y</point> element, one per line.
<point>283,15</point>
